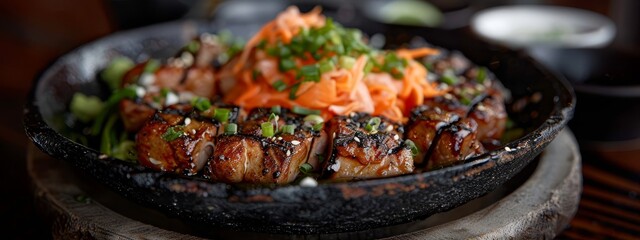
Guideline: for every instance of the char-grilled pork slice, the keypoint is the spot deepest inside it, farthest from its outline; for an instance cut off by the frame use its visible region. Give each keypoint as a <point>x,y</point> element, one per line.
<point>174,143</point>
<point>486,109</point>
<point>490,115</point>
<point>134,114</point>
<point>254,159</point>
<point>318,138</point>
<point>250,157</point>
<point>356,152</point>
<point>441,137</point>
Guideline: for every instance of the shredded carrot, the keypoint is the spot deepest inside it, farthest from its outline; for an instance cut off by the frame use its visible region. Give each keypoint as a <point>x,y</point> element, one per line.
<point>338,91</point>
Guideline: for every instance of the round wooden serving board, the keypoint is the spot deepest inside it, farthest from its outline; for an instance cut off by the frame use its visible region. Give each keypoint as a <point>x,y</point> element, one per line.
<point>539,203</point>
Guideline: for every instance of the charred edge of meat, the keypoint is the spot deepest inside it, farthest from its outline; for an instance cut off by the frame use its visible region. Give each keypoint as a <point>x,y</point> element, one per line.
<point>353,132</point>
<point>186,154</point>
<point>475,102</point>
<point>450,126</point>
<point>260,160</point>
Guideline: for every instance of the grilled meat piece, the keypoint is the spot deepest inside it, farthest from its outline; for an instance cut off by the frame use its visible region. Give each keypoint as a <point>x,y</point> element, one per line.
<point>252,159</point>
<point>249,157</point>
<point>134,114</point>
<point>318,138</point>
<point>491,117</point>
<point>355,153</point>
<point>200,81</point>
<point>173,143</point>
<point>251,125</point>
<point>442,138</point>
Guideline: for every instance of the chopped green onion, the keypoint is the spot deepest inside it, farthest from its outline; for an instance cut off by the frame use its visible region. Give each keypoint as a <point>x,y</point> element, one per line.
<point>164,91</point>
<point>279,85</point>
<point>368,67</point>
<point>200,103</point>
<point>255,74</point>
<point>320,158</point>
<point>412,146</point>
<point>306,168</point>
<point>304,111</point>
<point>276,109</point>
<point>262,44</point>
<point>272,51</point>
<point>310,73</point>
<point>284,51</point>
<point>234,49</point>
<point>192,47</point>
<point>221,114</point>
<point>151,66</point>
<point>172,133</point>
<point>85,108</point>
<point>273,117</point>
<point>317,127</point>
<point>293,91</point>
<point>287,64</point>
<point>449,77</point>
<point>267,129</point>
<point>313,119</point>
<point>230,128</point>
<point>225,36</point>
<point>326,66</point>
<point>394,65</point>
<point>108,134</point>
<point>372,125</point>
<point>316,43</point>
<point>482,75</point>
<point>116,69</point>
<point>346,62</point>
<point>127,92</point>
<point>465,100</point>
<point>126,150</point>
<point>288,128</point>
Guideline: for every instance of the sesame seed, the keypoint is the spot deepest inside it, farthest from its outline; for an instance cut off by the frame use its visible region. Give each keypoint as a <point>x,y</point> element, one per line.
<point>448,96</point>
<point>357,139</point>
<point>140,92</point>
<point>396,137</point>
<point>154,161</point>
<point>187,121</point>
<point>193,131</point>
<point>508,149</point>
<point>147,79</point>
<point>288,153</point>
<point>279,138</point>
<point>389,128</point>
<point>171,99</point>
<point>308,182</point>
<point>187,58</point>
<point>295,142</point>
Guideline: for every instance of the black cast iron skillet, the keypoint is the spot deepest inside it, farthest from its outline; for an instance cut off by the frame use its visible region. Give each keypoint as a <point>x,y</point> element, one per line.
<point>327,208</point>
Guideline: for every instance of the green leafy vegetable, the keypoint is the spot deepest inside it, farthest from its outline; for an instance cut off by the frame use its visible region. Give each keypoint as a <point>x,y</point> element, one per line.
<point>172,133</point>
<point>200,103</point>
<point>85,108</point>
<point>115,70</point>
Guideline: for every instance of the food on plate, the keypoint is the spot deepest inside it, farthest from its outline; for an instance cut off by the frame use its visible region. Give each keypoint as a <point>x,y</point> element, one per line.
<point>303,98</point>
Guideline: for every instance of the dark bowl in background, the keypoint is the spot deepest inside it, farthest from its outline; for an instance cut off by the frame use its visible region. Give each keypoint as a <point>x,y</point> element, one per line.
<point>607,86</point>
<point>291,209</point>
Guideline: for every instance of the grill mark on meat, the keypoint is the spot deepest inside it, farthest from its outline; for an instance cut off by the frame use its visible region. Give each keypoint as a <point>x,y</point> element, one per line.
<point>438,135</point>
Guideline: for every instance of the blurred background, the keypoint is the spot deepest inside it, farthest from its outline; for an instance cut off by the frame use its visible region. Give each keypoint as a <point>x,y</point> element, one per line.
<point>597,49</point>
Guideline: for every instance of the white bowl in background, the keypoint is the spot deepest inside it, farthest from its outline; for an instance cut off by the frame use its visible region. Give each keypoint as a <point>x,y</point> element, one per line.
<point>539,25</point>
